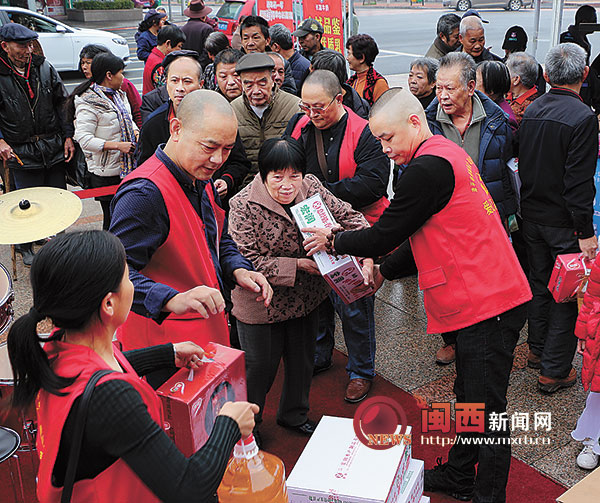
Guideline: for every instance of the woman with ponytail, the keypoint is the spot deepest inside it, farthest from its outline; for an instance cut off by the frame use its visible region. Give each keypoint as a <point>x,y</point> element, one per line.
<point>104,127</point>
<point>80,281</point>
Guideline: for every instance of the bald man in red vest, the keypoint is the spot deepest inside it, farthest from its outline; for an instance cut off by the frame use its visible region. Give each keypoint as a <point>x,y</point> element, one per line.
<point>447,228</point>
<point>180,255</point>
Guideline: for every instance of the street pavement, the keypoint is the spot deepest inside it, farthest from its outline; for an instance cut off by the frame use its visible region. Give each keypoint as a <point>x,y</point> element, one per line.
<point>402,35</point>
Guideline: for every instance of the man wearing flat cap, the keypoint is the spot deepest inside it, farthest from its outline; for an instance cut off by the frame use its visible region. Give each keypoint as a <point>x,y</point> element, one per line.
<point>183,75</point>
<point>309,36</point>
<point>263,110</point>
<point>197,29</point>
<point>35,136</point>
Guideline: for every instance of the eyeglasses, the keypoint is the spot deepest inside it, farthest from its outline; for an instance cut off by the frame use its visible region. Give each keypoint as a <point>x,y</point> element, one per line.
<point>307,109</point>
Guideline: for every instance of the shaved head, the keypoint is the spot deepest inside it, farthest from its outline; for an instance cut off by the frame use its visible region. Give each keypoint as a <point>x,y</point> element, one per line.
<point>326,80</point>
<point>397,104</point>
<point>203,133</point>
<point>202,104</point>
<point>398,120</point>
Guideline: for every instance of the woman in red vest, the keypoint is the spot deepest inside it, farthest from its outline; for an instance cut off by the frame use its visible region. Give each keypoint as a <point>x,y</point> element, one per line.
<point>81,282</point>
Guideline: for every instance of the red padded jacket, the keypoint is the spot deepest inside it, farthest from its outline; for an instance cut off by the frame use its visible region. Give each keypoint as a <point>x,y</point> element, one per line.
<point>588,329</point>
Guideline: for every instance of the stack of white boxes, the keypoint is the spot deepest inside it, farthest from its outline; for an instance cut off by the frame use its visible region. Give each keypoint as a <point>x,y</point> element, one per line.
<point>336,467</point>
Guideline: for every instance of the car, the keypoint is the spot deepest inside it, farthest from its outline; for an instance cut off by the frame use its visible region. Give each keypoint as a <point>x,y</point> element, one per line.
<point>62,43</point>
<point>229,14</point>
<point>463,5</point>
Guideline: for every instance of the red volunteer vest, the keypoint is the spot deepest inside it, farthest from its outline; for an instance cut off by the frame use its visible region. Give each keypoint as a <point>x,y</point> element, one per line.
<point>118,483</point>
<point>468,270</point>
<point>183,262</point>
<point>355,125</point>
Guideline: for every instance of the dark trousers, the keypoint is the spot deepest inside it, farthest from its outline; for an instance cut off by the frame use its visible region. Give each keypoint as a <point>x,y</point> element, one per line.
<point>484,356</point>
<point>104,181</point>
<point>53,177</point>
<point>551,325</point>
<point>265,345</point>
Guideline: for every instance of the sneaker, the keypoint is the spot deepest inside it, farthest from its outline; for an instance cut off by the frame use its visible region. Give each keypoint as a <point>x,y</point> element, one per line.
<point>436,480</point>
<point>551,384</point>
<point>534,361</point>
<point>587,458</point>
<point>446,354</point>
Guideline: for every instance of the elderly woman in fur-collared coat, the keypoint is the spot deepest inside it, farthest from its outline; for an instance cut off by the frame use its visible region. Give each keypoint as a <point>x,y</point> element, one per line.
<point>261,223</point>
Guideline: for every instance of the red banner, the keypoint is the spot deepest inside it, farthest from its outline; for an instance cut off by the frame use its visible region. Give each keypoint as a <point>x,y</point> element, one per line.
<point>277,11</point>
<point>329,14</point>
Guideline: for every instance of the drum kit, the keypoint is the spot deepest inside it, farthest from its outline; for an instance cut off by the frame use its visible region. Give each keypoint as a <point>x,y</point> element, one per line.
<point>26,215</point>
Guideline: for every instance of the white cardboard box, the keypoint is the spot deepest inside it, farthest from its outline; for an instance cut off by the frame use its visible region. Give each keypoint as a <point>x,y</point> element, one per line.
<point>411,489</point>
<point>343,273</point>
<point>335,466</point>
<point>425,499</point>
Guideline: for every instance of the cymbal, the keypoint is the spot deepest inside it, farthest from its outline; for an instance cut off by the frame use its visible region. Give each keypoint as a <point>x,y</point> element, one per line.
<point>30,214</point>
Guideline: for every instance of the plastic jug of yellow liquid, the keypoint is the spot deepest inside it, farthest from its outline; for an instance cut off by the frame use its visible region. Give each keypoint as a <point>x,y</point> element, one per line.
<point>253,476</point>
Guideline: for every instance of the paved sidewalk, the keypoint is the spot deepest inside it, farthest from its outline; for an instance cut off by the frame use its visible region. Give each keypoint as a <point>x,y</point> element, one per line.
<point>405,356</point>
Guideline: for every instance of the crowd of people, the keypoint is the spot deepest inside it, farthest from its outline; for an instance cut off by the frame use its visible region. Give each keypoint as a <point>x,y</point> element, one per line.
<point>493,178</point>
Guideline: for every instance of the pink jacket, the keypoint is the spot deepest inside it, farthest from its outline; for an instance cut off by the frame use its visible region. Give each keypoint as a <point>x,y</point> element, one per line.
<point>588,329</point>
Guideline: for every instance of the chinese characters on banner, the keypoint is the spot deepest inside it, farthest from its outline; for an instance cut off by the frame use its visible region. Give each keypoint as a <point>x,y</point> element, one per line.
<point>470,418</point>
<point>277,11</point>
<point>329,14</point>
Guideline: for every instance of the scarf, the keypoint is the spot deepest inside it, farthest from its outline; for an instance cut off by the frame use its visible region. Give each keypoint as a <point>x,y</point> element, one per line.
<point>102,98</point>
<point>372,77</point>
<point>25,76</point>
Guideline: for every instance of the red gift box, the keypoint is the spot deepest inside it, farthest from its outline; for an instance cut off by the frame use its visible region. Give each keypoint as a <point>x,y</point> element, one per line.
<point>569,277</point>
<point>192,399</point>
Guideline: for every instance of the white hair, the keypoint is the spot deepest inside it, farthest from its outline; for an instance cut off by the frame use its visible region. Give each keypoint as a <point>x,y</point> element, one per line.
<point>470,23</point>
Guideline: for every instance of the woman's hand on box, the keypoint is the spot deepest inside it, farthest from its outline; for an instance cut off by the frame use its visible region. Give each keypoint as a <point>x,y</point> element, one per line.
<point>188,354</point>
<point>307,265</point>
<point>242,413</point>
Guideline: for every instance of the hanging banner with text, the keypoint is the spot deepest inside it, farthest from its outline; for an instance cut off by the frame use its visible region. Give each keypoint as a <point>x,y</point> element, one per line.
<point>277,11</point>
<point>329,14</point>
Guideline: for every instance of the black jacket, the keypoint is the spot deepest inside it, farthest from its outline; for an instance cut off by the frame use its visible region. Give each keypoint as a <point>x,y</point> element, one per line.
<point>35,128</point>
<point>558,149</point>
<point>155,131</point>
<point>356,103</point>
<point>196,31</point>
<point>152,100</point>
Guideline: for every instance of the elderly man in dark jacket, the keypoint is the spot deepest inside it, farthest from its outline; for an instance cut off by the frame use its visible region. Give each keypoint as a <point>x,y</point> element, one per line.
<point>35,137</point>
<point>557,161</point>
<point>474,122</point>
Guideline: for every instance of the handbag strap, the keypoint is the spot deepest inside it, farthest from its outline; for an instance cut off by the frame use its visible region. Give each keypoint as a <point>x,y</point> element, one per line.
<point>81,419</point>
<point>321,153</point>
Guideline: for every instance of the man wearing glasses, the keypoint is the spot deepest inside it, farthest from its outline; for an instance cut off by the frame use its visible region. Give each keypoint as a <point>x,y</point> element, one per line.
<point>348,159</point>
<point>263,111</point>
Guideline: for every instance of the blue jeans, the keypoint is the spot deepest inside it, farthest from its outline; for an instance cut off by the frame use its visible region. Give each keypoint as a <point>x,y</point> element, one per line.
<point>484,356</point>
<point>358,325</point>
